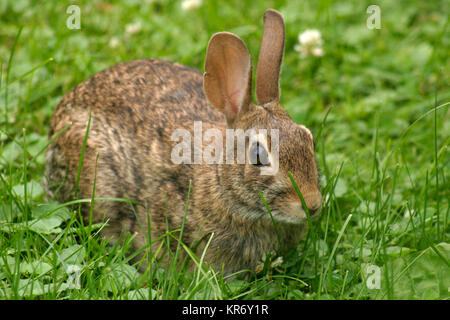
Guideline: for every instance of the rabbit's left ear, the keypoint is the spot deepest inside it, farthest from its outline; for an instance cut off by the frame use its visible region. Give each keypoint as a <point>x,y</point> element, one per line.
<point>270,56</point>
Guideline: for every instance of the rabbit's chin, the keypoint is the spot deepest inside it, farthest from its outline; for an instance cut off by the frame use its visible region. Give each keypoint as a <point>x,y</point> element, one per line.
<point>282,217</point>
<point>291,213</point>
<point>289,217</point>
<point>286,216</point>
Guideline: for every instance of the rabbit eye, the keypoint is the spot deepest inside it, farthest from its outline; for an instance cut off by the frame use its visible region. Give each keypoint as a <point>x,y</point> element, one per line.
<point>258,155</point>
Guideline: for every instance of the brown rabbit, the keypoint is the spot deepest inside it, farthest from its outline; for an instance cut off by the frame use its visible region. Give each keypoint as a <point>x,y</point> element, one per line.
<point>136,107</point>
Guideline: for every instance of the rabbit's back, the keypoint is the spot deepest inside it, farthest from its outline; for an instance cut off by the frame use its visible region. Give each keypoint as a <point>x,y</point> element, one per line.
<point>135,107</point>
<point>150,91</point>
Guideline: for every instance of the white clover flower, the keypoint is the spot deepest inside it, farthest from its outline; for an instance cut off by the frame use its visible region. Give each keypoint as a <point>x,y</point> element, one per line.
<point>73,268</point>
<point>310,38</point>
<point>317,52</point>
<point>310,43</point>
<point>187,5</point>
<point>114,42</point>
<point>409,213</point>
<point>132,28</point>
<point>277,262</point>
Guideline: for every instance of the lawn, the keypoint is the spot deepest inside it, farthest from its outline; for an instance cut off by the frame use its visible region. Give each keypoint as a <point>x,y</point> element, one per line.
<point>376,99</point>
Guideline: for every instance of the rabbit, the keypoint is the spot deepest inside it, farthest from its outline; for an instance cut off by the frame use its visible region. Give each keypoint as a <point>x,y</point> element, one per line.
<point>134,108</point>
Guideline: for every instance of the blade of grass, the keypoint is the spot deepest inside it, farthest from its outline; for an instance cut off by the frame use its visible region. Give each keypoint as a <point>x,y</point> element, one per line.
<point>24,75</point>
<point>25,177</point>
<point>273,221</point>
<point>436,167</point>
<point>8,72</point>
<point>83,149</point>
<point>333,251</point>
<point>312,230</point>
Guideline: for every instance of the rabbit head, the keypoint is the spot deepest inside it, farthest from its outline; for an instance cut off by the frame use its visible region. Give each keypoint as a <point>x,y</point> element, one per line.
<point>287,146</point>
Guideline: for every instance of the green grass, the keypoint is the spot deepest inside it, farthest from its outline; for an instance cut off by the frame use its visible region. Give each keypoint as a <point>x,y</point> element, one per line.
<point>377,103</point>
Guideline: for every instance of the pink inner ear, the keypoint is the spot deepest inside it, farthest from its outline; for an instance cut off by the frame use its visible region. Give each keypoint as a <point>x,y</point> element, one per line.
<point>234,98</point>
<point>227,80</point>
<point>236,75</point>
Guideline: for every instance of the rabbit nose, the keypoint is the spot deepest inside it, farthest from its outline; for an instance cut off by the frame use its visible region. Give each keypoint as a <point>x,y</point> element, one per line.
<point>313,211</point>
<point>313,202</point>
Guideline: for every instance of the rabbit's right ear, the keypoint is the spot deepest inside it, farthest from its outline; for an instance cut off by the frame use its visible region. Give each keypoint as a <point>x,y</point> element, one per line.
<point>228,75</point>
<point>267,80</point>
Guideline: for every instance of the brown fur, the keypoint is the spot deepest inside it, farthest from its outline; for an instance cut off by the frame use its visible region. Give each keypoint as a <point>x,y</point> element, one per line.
<point>135,107</point>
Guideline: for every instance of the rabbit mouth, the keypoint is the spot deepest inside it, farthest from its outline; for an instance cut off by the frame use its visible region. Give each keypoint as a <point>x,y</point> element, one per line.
<point>292,216</point>
<point>293,213</point>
